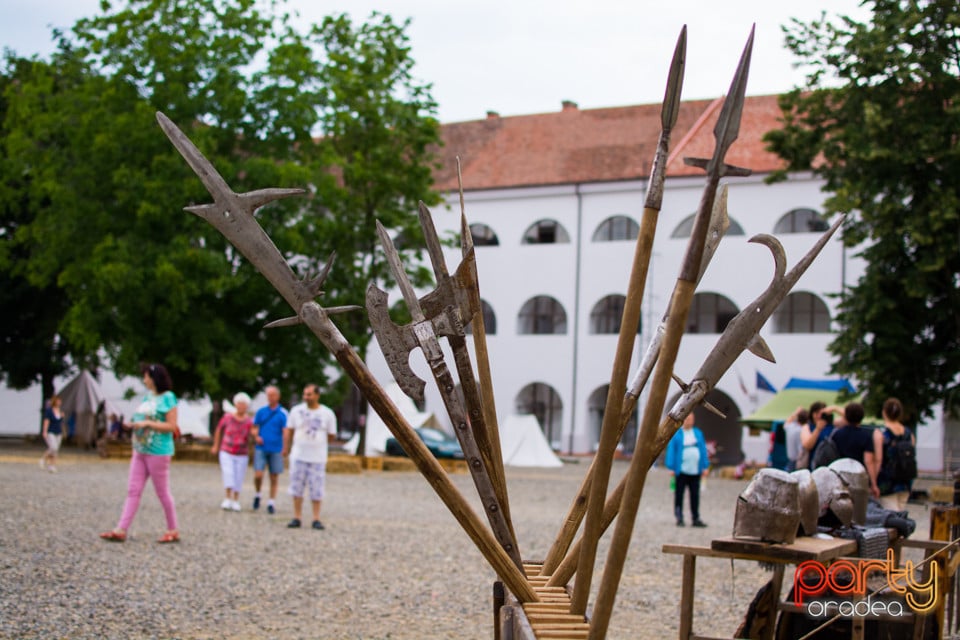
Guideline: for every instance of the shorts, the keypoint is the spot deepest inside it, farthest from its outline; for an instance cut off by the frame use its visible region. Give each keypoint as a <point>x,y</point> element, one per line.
<point>53,442</point>
<point>273,459</point>
<point>308,474</point>
<point>232,469</point>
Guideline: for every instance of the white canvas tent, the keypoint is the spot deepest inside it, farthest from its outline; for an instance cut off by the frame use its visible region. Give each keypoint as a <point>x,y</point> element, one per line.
<point>377,431</point>
<point>524,445</point>
<point>82,397</point>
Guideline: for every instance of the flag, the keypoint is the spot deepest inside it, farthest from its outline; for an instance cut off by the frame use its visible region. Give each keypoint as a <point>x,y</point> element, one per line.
<point>763,384</point>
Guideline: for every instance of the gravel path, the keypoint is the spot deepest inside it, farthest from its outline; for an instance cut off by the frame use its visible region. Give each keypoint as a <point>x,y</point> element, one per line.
<point>392,562</point>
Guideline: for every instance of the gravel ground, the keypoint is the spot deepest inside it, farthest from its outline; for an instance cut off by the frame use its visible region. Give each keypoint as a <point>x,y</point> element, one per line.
<point>392,562</point>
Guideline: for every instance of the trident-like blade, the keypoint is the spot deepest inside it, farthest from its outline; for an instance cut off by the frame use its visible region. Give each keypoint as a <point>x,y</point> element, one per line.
<point>396,267</point>
<point>743,329</point>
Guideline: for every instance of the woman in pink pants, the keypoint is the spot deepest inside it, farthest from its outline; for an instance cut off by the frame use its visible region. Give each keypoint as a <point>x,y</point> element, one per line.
<point>153,426</point>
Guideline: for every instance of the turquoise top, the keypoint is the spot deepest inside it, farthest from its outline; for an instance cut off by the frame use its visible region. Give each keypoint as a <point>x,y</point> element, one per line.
<point>150,441</point>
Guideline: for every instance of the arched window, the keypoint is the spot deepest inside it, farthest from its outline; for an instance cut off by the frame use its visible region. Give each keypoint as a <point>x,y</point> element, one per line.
<point>607,315</point>
<point>545,232</point>
<point>542,401</point>
<point>596,405</point>
<point>801,312</point>
<point>489,320</point>
<point>483,236</point>
<point>616,228</point>
<point>710,313</point>
<point>541,315</point>
<point>801,220</point>
<point>685,227</point>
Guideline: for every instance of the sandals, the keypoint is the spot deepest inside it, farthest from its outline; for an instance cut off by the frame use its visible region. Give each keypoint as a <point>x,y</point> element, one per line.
<point>114,536</point>
<point>168,537</point>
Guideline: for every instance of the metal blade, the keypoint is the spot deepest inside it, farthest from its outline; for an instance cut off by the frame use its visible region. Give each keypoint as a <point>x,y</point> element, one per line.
<point>671,97</point>
<point>728,123</point>
<point>432,240</point>
<point>396,267</point>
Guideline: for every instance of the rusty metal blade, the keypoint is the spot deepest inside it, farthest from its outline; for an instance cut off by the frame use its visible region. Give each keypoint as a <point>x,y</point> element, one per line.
<point>396,268</point>
<point>728,123</point>
<point>671,97</point>
<point>432,240</point>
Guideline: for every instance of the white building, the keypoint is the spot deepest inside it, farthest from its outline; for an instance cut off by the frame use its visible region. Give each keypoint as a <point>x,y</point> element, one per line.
<point>554,201</point>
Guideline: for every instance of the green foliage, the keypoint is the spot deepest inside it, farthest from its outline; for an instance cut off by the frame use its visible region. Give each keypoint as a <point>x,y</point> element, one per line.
<point>883,134</point>
<point>97,191</point>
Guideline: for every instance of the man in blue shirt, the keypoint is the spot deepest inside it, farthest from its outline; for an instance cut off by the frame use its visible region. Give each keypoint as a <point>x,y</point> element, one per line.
<point>268,433</point>
<point>687,460</point>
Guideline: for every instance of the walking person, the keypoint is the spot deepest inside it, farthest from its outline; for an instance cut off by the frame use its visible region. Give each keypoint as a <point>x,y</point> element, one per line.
<point>898,462</point>
<point>153,426</point>
<point>310,428</point>
<point>52,434</point>
<point>688,461</point>
<point>269,424</point>
<point>819,427</point>
<point>230,444</point>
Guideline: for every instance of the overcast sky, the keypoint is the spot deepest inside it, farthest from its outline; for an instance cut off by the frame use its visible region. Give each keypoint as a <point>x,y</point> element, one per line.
<point>527,56</point>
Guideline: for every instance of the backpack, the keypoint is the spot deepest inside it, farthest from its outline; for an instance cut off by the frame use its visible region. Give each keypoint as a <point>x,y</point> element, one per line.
<point>826,452</point>
<point>900,458</point>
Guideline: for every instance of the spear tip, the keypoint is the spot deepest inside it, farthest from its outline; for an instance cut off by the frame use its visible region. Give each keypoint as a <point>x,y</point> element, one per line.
<point>671,97</point>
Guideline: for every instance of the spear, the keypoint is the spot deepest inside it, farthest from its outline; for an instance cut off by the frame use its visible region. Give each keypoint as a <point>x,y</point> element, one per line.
<point>609,432</point>
<point>488,401</point>
<point>739,335</point>
<point>719,222</point>
<point>232,215</point>
<point>726,131</point>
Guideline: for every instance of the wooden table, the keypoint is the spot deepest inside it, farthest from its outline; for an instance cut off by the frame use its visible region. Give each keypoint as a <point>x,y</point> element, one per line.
<point>803,549</point>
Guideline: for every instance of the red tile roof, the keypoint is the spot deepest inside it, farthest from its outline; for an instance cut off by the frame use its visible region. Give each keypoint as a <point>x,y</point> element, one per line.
<point>596,145</point>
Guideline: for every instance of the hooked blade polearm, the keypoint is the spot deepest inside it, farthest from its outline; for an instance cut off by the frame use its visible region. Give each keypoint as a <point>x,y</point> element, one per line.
<point>232,215</point>
<point>423,334</point>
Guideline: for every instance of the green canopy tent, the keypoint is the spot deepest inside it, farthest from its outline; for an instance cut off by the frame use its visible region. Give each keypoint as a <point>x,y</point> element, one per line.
<point>800,393</point>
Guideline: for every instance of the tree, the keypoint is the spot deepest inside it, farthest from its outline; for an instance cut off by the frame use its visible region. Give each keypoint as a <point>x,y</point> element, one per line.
<point>878,119</point>
<point>143,279</point>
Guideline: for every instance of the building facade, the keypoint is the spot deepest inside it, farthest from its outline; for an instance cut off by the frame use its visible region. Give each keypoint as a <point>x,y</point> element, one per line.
<point>554,202</point>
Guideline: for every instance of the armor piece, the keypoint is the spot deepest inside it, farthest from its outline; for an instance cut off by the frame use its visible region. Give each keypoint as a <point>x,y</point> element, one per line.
<point>836,505</point>
<point>809,501</point>
<point>855,474</point>
<point>769,508</point>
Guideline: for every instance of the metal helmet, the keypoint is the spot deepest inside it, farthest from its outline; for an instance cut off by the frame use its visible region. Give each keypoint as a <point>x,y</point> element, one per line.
<point>855,474</point>
<point>809,501</point>
<point>836,505</point>
<point>769,508</point>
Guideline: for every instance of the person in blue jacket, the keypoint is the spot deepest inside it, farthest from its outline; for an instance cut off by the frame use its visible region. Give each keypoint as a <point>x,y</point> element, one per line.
<point>687,461</point>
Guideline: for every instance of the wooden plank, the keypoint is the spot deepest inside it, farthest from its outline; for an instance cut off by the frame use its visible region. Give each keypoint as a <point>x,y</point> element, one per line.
<point>802,549</point>
<point>538,618</point>
<point>559,626</point>
<point>564,635</point>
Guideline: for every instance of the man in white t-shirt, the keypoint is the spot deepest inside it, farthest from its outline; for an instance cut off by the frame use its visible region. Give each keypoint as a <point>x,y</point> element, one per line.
<point>310,427</point>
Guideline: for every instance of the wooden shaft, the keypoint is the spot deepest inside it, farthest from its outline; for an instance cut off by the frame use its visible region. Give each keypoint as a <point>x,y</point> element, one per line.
<point>477,452</point>
<point>568,566</point>
<point>472,454</point>
<point>642,458</point>
<point>482,431</point>
<point>489,406</point>
<point>611,429</point>
<point>428,466</point>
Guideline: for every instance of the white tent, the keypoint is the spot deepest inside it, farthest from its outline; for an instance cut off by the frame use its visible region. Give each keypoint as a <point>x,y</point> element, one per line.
<point>377,431</point>
<point>524,445</point>
<point>82,398</point>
